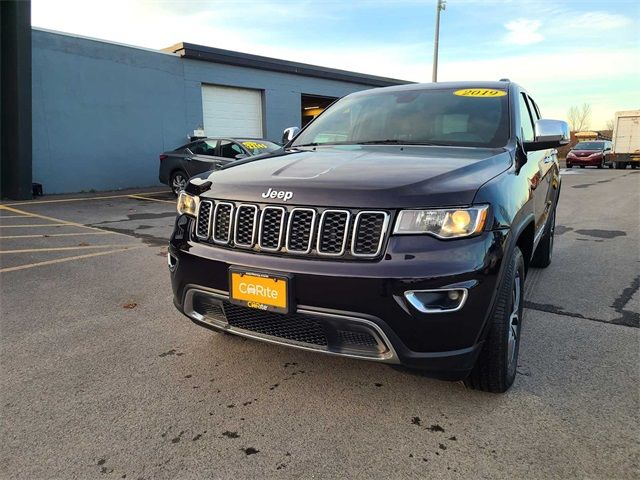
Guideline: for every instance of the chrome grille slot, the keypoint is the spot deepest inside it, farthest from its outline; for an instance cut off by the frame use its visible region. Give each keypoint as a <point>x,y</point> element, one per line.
<point>300,230</point>
<point>332,232</point>
<point>222,222</point>
<point>271,228</point>
<point>245,225</point>
<point>203,224</point>
<point>368,233</point>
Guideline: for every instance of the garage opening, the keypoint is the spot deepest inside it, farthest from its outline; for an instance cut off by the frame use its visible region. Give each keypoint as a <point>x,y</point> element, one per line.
<point>314,105</point>
<point>232,112</point>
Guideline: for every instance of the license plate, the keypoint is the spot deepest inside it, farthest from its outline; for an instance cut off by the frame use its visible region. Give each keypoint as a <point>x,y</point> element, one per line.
<point>262,291</point>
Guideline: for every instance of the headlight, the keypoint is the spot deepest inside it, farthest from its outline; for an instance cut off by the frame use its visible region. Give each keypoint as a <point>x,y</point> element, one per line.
<point>442,223</point>
<point>187,204</point>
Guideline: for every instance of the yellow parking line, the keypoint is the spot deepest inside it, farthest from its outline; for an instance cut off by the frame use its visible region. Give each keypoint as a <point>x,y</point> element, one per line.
<point>57,220</point>
<point>68,259</point>
<point>139,197</point>
<point>60,249</point>
<point>81,199</point>
<point>43,235</point>
<point>37,226</point>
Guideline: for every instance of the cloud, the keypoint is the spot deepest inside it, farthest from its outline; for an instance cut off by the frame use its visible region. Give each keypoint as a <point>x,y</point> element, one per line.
<point>597,20</point>
<point>523,32</point>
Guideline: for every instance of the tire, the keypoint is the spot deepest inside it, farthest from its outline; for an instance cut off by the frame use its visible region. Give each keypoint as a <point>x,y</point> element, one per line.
<point>581,166</point>
<point>634,165</point>
<point>601,164</point>
<point>495,368</point>
<point>611,165</point>
<point>620,165</point>
<point>178,181</point>
<point>569,165</point>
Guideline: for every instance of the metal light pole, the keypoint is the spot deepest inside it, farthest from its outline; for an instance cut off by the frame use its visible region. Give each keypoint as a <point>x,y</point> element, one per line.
<point>441,5</point>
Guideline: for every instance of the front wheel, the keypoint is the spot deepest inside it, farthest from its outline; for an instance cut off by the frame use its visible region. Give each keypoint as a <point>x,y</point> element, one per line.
<point>495,369</point>
<point>569,165</point>
<point>581,166</point>
<point>601,164</point>
<point>620,165</point>
<point>178,181</point>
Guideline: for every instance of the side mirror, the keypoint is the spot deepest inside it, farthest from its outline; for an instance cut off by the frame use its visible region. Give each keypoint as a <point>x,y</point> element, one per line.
<point>289,134</point>
<point>240,156</point>
<point>548,134</point>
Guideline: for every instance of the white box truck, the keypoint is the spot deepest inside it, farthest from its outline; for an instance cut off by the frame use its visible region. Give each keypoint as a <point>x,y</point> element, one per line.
<point>626,139</point>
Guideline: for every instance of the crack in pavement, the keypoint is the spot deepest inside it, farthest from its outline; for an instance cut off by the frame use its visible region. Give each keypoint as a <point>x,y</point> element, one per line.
<point>145,237</point>
<point>628,317</point>
<point>548,308</point>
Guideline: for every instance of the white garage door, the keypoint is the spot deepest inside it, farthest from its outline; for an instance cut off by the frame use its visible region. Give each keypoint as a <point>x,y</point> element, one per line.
<point>232,112</point>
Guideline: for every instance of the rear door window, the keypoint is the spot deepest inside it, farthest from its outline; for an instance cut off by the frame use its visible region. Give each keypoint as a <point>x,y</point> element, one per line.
<point>205,147</point>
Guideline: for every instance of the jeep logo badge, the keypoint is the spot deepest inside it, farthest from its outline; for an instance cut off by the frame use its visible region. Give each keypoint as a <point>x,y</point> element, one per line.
<point>281,194</point>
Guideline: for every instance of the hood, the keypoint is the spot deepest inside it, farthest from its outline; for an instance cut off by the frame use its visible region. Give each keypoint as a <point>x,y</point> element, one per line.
<point>357,176</point>
<point>584,153</point>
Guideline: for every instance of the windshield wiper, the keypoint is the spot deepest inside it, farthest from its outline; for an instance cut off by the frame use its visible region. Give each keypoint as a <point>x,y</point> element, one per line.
<point>312,144</point>
<point>394,142</point>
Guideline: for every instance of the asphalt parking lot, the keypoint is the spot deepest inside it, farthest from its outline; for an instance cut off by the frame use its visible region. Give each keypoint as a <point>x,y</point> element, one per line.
<point>102,378</point>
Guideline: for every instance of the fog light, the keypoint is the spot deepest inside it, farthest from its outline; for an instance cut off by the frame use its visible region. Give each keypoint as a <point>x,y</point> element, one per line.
<point>437,301</point>
<point>453,295</point>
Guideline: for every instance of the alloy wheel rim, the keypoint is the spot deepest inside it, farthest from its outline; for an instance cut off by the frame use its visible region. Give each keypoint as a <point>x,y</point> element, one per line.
<point>179,183</point>
<point>514,320</point>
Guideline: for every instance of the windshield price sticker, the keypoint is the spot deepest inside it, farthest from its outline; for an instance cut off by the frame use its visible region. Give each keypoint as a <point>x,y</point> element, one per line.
<point>254,145</point>
<point>480,92</point>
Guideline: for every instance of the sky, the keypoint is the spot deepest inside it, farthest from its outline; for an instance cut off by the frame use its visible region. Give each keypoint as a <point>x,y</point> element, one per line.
<point>564,52</point>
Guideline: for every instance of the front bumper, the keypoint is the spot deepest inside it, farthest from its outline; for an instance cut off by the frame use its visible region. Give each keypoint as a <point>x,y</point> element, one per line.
<point>356,296</point>
<point>585,161</point>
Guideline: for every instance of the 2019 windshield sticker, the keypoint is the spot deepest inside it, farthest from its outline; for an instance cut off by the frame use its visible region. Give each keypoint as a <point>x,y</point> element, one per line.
<point>480,92</point>
<point>254,145</point>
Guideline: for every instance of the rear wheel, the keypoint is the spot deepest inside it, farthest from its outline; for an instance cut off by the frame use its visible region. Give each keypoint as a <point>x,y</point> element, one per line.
<point>569,165</point>
<point>495,369</point>
<point>178,181</point>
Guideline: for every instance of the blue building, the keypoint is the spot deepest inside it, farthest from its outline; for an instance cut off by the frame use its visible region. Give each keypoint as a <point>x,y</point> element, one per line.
<point>102,112</point>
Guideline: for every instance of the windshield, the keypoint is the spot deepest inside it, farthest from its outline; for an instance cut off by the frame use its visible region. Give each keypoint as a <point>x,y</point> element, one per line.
<point>422,116</point>
<point>256,147</point>
<point>589,146</point>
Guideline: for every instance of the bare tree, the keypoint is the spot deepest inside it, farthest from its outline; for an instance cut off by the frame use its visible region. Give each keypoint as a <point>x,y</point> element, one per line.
<point>579,117</point>
<point>609,125</point>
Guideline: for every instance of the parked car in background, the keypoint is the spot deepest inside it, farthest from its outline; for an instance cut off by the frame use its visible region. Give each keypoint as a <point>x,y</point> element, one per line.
<point>596,153</point>
<point>202,155</point>
<point>626,139</point>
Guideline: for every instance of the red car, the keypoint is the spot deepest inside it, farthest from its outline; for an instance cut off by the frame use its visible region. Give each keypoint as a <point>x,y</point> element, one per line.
<point>597,153</point>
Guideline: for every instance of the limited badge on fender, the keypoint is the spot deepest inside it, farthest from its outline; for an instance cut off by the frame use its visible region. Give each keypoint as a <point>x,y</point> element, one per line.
<point>480,92</point>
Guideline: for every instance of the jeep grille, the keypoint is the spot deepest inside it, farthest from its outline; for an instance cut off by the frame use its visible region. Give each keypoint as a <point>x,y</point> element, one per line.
<point>293,230</point>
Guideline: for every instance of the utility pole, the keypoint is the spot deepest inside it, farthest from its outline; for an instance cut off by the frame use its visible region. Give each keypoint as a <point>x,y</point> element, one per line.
<point>441,5</point>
